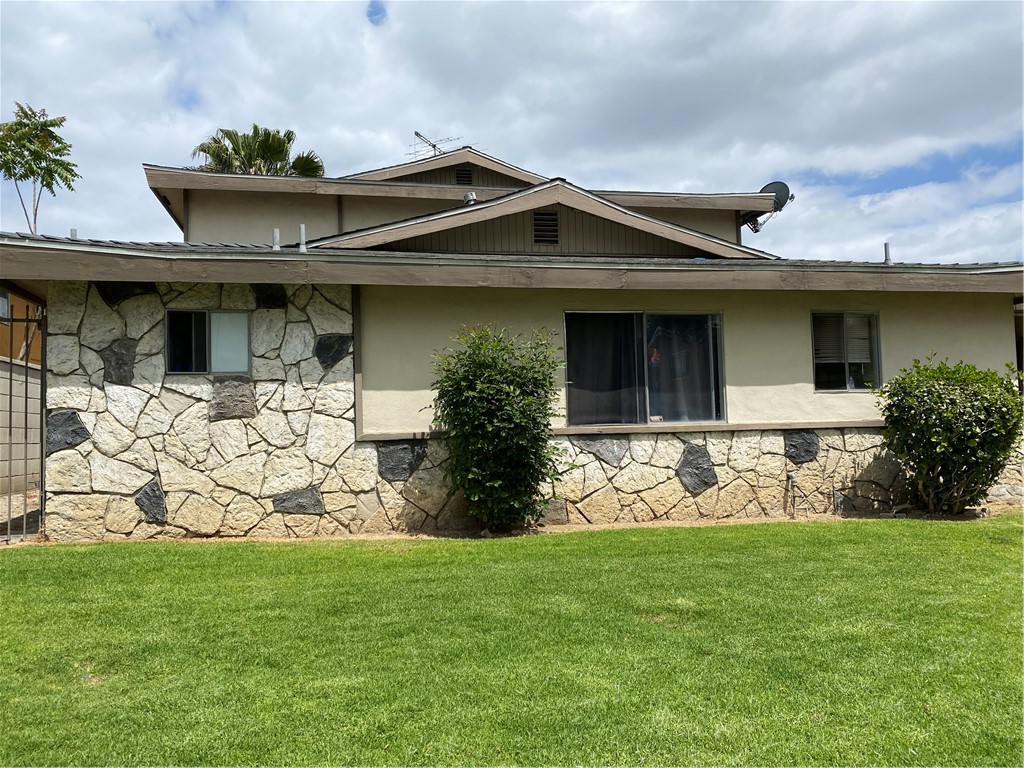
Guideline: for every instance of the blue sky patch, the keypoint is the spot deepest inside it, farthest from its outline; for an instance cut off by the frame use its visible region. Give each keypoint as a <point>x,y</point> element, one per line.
<point>187,98</point>
<point>376,13</point>
<point>937,168</point>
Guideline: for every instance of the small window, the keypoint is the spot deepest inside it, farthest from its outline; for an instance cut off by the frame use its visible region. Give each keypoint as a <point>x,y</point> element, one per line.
<point>464,176</point>
<point>207,342</point>
<point>545,227</point>
<point>5,306</point>
<point>636,367</point>
<point>845,351</point>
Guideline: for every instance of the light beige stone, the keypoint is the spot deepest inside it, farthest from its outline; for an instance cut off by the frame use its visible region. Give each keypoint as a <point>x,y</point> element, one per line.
<point>861,440</point>
<point>718,445</point>
<point>339,295</point>
<point>745,450</point>
<point>378,523</point>
<point>109,436</point>
<point>229,438</point>
<point>329,526</point>
<point>326,317</point>
<point>295,398</point>
<point>734,500</point>
<point>72,391</point>
<point>663,497</point>
<point>265,369</point>
<point>270,394</point>
<point>602,506</point>
<point>244,473</point>
<point>593,477</point>
<point>772,441</point>
<point>266,330</point>
<point>175,402</point>
<point>123,514</point>
<point>152,342</point>
<point>140,454</point>
<point>65,306</point>
<point>295,315</point>
<point>199,514</point>
<point>194,386</point>
<point>176,449</point>
<point>668,450</point>
<point>198,296</point>
<point>126,404</point>
<point>636,477</point>
<point>427,489</point>
<point>310,373</point>
<point>367,505</point>
<point>223,496</point>
<point>113,476</point>
<point>90,361</point>
<point>141,314</point>
<point>833,438</point>
<point>328,438</point>
<point>242,515</point>
<point>686,509</point>
<point>641,447</point>
<point>100,325</point>
<point>299,294</point>
<point>75,517</point>
<point>336,392</point>
<point>238,296</point>
<point>336,503</point>
<point>148,374</point>
<point>175,476</point>
<point>569,484</point>
<point>286,470</point>
<point>68,472</point>
<point>297,344</point>
<point>302,526</point>
<point>298,422</point>
<point>270,527</point>
<point>273,427</point>
<point>192,426</point>
<point>62,354</point>
<point>770,470</point>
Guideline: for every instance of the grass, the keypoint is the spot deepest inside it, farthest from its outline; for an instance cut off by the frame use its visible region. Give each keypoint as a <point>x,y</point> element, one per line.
<point>862,642</point>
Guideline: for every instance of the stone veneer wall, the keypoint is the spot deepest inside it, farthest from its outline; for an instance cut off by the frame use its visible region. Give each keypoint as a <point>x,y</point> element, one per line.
<point>135,453</point>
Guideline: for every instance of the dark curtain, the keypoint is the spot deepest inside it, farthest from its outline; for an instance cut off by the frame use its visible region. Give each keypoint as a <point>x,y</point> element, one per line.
<point>603,369</point>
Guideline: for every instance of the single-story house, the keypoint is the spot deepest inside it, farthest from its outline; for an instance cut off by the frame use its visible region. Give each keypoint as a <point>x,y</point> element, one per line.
<point>230,385</point>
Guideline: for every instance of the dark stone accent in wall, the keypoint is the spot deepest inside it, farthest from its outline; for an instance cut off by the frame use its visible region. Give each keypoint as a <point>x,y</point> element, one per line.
<point>269,295</point>
<point>801,445</point>
<point>118,361</point>
<point>64,429</point>
<point>695,470</point>
<point>610,450</point>
<point>151,501</point>
<point>398,459</point>
<point>331,348</point>
<point>114,293</point>
<point>308,501</point>
<point>234,397</point>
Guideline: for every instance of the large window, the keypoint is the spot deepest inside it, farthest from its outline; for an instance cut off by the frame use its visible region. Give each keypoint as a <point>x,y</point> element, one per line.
<point>636,367</point>
<point>207,342</point>
<point>845,350</point>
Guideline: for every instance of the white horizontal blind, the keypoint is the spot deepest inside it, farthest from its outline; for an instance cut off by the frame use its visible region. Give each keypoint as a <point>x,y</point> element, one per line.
<point>828,339</point>
<point>860,334</point>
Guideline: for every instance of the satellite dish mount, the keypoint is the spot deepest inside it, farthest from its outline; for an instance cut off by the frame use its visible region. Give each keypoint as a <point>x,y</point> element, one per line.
<point>782,196</point>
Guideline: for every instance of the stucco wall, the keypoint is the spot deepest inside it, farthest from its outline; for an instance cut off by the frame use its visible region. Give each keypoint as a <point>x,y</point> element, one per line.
<point>766,338</point>
<point>251,217</point>
<point>718,223</point>
<point>363,212</point>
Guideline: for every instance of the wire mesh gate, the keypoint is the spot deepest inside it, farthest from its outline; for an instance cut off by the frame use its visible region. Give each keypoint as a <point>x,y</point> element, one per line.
<point>22,365</point>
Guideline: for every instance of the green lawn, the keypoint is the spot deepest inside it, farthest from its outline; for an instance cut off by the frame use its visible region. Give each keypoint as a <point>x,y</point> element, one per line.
<point>862,642</point>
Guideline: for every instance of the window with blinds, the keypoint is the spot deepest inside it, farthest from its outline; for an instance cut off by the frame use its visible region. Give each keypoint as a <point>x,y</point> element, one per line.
<point>845,350</point>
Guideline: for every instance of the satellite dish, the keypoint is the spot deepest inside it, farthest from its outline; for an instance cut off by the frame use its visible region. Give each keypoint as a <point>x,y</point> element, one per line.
<point>782,196</point>
<point>781,191</point>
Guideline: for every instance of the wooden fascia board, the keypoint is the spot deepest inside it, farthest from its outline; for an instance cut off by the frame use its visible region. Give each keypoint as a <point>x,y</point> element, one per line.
<point>557,193</point>
<point>752,202</point>
<point>49,262</point>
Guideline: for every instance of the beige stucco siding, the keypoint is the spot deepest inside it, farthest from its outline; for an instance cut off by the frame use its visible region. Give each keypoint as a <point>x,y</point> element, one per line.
<point>717,223</point>
<point>579,232</point>
<point>363,212</point>
<point>766,339</point>
<point>250,217</point>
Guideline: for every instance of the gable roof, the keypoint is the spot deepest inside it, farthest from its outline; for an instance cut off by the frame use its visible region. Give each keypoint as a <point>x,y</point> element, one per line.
<point>446,160</point>
<point>554,191</point>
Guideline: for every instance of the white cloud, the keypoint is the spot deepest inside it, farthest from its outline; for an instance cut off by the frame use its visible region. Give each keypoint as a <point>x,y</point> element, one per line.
<point>673,96</point>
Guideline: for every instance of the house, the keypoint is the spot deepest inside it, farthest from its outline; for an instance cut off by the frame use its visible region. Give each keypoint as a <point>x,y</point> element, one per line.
<point>229,385</point>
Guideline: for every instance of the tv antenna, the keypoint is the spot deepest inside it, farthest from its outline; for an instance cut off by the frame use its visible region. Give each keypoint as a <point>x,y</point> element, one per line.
<point>425,147</point>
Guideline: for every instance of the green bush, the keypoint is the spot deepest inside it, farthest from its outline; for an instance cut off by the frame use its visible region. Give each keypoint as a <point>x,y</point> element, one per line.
<point>494,396</point>
<point>954,427</point>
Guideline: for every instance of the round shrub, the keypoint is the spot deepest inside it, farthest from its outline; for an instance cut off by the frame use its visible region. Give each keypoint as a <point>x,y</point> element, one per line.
<point>954,428</point>
<point>494,394</point>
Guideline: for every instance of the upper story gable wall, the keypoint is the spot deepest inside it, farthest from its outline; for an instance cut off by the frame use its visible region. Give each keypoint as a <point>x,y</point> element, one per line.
<point>723,224</point>
<point>214,216</point>
<point>479,177</point>
<point>579,233</point>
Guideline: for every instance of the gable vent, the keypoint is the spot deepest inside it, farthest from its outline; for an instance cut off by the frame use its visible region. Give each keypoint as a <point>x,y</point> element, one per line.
<point>463,175</point>
<point>545,227</point>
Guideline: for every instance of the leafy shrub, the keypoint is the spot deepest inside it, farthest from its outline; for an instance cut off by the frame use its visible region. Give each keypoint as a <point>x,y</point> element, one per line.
<point>494,395</point>
<point>954,428</point>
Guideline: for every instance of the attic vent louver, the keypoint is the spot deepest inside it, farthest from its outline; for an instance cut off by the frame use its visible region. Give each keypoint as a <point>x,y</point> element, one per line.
<point>545,227</point>
<point>463,175</point>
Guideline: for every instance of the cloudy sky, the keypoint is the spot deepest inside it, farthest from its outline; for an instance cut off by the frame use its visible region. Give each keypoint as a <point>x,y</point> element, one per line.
<point>896,122</point>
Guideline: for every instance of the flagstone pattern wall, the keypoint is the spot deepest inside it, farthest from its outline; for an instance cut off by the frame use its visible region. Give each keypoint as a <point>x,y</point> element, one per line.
<point>135,453</point>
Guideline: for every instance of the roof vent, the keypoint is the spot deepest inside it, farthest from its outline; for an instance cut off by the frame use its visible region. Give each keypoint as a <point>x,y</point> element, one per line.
<point>545,227</point>
<point>469,198</point>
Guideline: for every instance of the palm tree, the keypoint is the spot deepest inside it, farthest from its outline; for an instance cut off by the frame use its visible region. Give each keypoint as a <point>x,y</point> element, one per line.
<point>263,152</point>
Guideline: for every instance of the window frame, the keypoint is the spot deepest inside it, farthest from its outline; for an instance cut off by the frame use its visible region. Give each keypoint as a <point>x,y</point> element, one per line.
<point>876,350</point>
<point>716,366</point>
<point>5,307</point>
<point>209,342</point>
